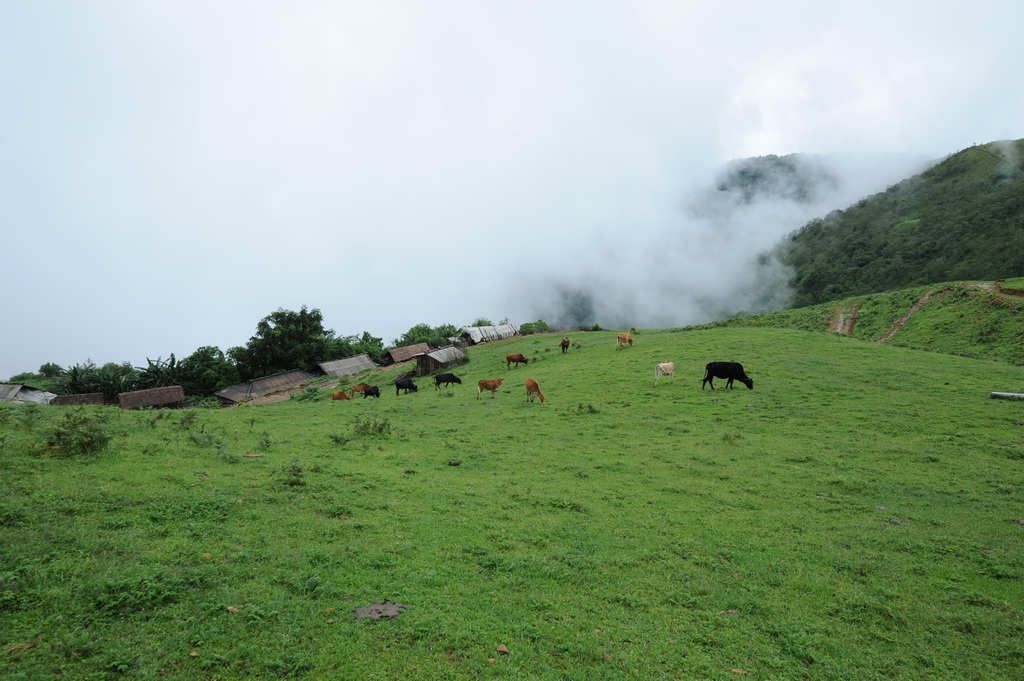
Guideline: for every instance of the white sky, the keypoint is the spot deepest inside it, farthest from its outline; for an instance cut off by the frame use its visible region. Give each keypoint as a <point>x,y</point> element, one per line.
<point>173,172</point>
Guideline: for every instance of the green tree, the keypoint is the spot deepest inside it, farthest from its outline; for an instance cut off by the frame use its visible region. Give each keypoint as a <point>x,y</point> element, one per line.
<point>539,326</point>
<point>434,336</point>
<point>284,340</point>
<point>110,379</point>
<point>371,345</point>
<point>206,371</point>
<point>482,321</point>
<point>50,370</point>
<point>159,373</point>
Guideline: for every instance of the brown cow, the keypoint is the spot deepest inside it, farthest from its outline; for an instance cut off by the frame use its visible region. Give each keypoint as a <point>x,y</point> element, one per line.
<point>340,395</point>
<point>624,338</point>
<point>359,388</point>
<point>565,345</point>
<point>517,358</point>
<point>533,390</point>
<point>486,384</point>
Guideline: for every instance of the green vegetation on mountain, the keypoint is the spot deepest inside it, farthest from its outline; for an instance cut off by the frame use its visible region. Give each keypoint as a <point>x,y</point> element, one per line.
<point>958,318</point>
<point>961,219</point>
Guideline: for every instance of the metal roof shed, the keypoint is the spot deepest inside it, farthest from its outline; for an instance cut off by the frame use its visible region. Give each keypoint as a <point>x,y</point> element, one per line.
<point>348,366</point>
<point>19,393</point>
<point>483,334</point>
<point>265,385</point>
<point>448,356</point>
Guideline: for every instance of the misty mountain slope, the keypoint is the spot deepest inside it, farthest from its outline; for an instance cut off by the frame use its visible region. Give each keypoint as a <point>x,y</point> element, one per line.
<point>968,319</point>
<point>709,254</point>
<point>962,218</point>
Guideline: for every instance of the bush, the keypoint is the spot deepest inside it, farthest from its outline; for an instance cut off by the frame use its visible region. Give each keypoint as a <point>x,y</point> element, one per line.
<point>310,393</point>
<point>81,432</point>
<point>370,425</point>
<point>539,326</point>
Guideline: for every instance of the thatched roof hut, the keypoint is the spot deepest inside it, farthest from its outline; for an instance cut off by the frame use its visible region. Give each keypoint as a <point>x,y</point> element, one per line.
<point>78,400</point>
<point>483,334</point>
<point>20,393</point>
<point>348,366</point>
<point>265,385</point>
<point>151,397</point>
<point>435,360</point>
<point>396,355</point>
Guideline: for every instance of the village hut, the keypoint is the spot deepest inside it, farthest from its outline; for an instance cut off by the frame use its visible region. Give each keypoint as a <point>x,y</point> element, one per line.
<point>483,334</point>
<point>265,385</point>
<point>19,393</point>
<point>405,353</point>
<point>348,366</point>
<point>442,358</point>
<point>151,397</point>
<point>78,399</point>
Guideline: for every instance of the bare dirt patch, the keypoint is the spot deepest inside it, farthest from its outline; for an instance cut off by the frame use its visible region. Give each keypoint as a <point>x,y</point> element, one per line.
<point>843,320</point>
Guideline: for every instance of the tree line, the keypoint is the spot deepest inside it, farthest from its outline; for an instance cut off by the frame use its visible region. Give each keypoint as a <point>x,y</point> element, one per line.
<point>284,340</point>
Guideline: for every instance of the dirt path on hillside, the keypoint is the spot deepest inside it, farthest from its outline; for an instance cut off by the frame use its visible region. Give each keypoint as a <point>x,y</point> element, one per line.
<point>894,329</point>
<point>843,320</point>
<point>998,288</point>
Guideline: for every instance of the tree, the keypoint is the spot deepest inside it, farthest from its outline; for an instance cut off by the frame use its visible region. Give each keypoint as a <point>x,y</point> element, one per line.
<point>110,379</point>
<point>159,373</point>
<point>435,337</point>
<point>371,345</point>
<point>284,340</point>
<point>206,371</point>
<point>50,370</point>
<point>539,326</point>
<point>482,321</point>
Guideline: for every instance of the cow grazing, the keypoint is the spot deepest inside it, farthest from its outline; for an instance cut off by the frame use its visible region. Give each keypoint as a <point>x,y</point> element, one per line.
<point>405,384</point>
<point>729,370</point>
<point>358,388</point>
<point>340,395</point>
<point>623,338</point>
<point>664,369</point>
<point>371,391</point>
<point>487,384</point>
<point>565,345</point>
<point>447,379</point>
<point>517,358</point>
<point>533,390</point>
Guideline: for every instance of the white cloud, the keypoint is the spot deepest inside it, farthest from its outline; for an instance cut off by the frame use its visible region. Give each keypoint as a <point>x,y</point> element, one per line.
<point>249,156</point>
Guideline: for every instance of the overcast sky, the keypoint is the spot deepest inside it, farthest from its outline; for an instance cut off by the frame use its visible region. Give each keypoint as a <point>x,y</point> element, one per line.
<point>173,172</point>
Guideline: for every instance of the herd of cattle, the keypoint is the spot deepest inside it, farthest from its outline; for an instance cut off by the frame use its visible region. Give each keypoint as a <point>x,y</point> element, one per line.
<point>728,371</point>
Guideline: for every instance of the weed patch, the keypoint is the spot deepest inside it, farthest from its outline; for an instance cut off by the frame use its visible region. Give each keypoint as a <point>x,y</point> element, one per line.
<point>372,426</point>
<point>80,433</point>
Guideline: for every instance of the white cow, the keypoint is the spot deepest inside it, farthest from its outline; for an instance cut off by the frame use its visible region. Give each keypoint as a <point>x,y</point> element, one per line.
<point>664,369</point>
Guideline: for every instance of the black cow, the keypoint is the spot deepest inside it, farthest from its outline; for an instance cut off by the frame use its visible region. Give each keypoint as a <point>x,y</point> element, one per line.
<point>447,379</point>
<point>405,384</point>
<point>372,391</point>
<point>729,370</point>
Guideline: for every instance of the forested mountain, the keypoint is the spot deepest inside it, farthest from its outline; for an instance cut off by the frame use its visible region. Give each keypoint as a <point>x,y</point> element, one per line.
<point>961,219</point>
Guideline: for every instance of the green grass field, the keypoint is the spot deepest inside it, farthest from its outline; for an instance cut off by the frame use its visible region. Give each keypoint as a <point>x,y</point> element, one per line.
<point>858,515</point>
<point>959,318</point>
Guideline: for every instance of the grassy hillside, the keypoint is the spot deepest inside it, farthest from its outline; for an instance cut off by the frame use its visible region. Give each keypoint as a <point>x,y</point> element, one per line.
<point>961,219</point>
<point>981,320</point>
<point>860,514</point>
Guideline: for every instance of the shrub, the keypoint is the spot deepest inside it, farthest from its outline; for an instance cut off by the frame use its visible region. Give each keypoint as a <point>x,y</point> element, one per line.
<point>292,475</point>
<point>539,326</point>
<point>371,425</point>
<point>310,393</point>
<point>81,432</point>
